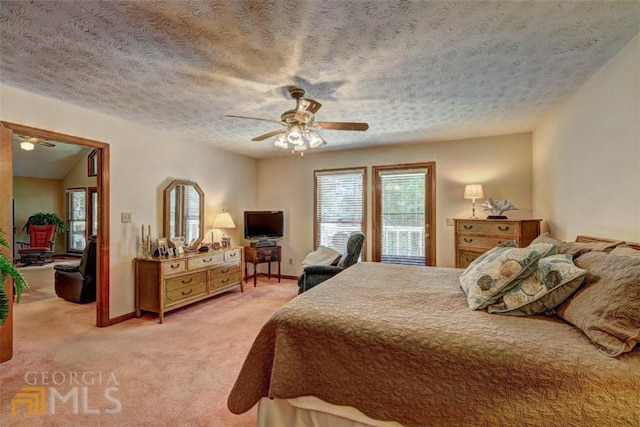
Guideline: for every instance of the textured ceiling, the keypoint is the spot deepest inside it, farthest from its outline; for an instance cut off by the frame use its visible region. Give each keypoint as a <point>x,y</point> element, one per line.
<point>415,71</point>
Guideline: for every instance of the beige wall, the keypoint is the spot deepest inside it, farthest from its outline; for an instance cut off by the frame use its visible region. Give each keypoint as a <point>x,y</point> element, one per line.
<point>501,163</point>
<point>143,161</point>
<point>586,155</point>
<point>77,176</point>
<point>33,195</point>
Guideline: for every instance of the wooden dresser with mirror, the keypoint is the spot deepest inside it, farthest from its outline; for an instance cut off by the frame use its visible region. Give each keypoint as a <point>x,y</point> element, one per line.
<point>166,283</point>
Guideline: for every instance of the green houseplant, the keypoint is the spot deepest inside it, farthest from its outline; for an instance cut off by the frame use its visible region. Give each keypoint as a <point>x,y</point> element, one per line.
<point>8,269</point>
<point>46,218</point>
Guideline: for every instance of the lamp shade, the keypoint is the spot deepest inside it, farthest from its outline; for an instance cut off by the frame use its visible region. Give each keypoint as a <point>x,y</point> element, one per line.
<point>473,191</point>
<point>223,220</point>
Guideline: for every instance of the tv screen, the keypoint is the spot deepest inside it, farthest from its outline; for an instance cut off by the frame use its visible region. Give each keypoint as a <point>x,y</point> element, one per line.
<point>263,225</point>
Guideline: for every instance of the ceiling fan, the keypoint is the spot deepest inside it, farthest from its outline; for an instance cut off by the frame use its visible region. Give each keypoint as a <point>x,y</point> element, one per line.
<point>29,142</point>
<point>299,125</point>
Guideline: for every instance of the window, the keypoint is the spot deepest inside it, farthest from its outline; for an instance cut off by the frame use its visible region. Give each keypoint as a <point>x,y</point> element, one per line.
<point>339,206</point>
<point>92,163</point>
<point>76,219</point>
<point>403,207</point>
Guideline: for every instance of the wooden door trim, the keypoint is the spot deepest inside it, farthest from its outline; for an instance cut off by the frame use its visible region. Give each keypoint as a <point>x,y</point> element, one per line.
<point>430,207</point>
<point>104,179</point>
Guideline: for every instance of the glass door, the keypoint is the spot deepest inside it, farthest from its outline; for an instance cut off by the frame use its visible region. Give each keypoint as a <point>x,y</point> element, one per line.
<point>403,214</point>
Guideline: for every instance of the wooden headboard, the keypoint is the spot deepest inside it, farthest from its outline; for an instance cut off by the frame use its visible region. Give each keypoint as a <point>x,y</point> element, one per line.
<point>590,239</point>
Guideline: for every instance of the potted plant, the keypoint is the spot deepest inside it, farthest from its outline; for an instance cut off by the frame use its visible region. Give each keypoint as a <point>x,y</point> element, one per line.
<point>8,269</point>
<point>46,218</point>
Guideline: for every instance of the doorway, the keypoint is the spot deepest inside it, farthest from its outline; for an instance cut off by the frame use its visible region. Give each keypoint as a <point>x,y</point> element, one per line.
<point>7,131</point>
<point>404,212</point>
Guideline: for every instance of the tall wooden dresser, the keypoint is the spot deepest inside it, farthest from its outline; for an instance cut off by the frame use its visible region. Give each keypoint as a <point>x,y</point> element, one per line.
<point>476,236</point>
<point>164,284</point>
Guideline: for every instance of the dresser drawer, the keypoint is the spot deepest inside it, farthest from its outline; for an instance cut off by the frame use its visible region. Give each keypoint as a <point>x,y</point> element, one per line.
<point>466,257</point>
<point>205,261</point>
<point>185,287</point>
<point>233,255</point>
<point>499,228</point>
<point>173,267</point>
<point>480,242</point>
<point>224,270</point>
<point>223,280</point>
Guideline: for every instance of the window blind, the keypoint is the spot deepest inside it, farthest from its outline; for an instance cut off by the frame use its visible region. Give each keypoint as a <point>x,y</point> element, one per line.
<point>339,206</point>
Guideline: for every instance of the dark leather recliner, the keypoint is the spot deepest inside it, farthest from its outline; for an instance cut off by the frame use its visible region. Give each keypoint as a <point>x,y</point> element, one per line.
<point>77,282</point>
<point>313,275</point>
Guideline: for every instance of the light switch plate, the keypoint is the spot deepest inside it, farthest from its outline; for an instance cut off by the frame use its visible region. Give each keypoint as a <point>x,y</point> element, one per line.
<point>125,217</point>
<point>450,222</point>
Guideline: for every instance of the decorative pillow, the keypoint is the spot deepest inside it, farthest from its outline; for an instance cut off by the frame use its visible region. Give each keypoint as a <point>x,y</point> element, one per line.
<point>625,250</point>
<point>576,249</point>
<point>554,281</point>
<point>607,307</point>
<point>485,281</point>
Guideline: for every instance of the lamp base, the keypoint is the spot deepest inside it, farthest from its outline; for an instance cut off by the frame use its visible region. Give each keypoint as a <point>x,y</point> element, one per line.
<point>497,217</point>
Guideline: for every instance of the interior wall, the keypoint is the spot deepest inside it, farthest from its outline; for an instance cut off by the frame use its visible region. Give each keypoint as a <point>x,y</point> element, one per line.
<point>143,161</point>
<point>33,195</point>
<point>586,155</point>
<point>501,163</point>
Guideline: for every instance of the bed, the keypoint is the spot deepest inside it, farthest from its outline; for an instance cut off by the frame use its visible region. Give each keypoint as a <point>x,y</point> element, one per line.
<point>390,345</point>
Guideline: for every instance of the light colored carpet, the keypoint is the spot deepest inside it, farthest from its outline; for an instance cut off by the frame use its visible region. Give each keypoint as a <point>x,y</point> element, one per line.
<point>177,373</point>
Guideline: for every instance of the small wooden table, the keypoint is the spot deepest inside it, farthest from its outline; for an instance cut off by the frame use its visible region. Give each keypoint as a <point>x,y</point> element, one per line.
<point>260,255</point>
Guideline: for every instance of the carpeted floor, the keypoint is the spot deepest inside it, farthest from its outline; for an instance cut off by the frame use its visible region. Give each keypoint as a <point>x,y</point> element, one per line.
<point>146,374</point>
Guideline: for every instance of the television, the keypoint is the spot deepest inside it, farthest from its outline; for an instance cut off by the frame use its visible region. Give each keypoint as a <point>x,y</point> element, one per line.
<point>263,225</point>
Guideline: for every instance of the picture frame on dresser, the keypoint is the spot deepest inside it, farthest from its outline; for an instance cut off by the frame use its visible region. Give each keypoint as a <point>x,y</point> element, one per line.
<point>162,246</point>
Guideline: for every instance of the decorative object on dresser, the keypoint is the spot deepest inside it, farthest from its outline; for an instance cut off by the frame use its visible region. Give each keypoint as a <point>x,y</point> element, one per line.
<point>164,284</point>
<point>473,237</point>
<point>223,220</point>
<point>498,207</point>
<point>258,255</point>
<point>473,192</point>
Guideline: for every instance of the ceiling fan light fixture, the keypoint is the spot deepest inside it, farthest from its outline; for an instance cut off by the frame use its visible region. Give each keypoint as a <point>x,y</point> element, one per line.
<point>294,136</point>
<point>27,146</point>
<point>314,140</point>
<point>281,142</point>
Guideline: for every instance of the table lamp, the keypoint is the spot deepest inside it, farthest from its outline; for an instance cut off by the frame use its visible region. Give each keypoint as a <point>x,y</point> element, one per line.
<point>473,192</point>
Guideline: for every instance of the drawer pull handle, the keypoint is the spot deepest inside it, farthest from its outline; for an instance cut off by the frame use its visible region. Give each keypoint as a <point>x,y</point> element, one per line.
<point>231,255</point>
<point>184,282</point>
<point>224,271</point>
<point>468,240</point>
<point>187,293</point>
<point>505,228</point>
<point>225,280</point>
<point>174,265</point>
<point>467,227</point>
<point>207,260</point>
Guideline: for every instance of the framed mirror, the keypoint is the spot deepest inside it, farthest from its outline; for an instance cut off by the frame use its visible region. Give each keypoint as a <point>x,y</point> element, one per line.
<point>184,212</point>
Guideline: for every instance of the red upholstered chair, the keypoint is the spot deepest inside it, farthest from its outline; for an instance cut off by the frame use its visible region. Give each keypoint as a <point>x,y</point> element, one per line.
<point>40,247</point>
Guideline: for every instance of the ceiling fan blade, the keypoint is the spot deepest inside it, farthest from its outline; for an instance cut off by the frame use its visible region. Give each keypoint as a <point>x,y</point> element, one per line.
<point>268,135</point>
<point>256,118</point>
<point>45,144</point>
<point>314,106</point>
<point>342,126</point>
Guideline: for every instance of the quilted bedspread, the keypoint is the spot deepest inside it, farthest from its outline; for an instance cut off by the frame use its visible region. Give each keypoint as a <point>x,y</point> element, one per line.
<point>399,343</point>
